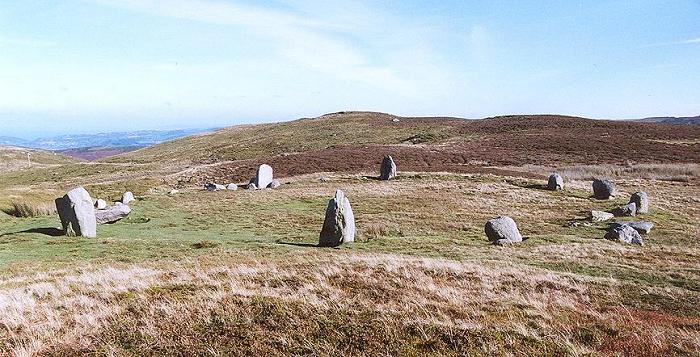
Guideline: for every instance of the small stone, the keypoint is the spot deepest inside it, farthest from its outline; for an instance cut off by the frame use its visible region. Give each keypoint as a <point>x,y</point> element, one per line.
<point>603,189</point>
<point>641,199</point>
<point>502,229</point>
<point>232,187</point>
<point>252,186</point>
<point>173,192</point>
<point>600,216</point>
<point>100,204</point>
<point>274,184</point>
<point>624,234</point>
<point>628,210</point>
<point>127,197</point>
<point>642,227</point>
<point>555,182</point>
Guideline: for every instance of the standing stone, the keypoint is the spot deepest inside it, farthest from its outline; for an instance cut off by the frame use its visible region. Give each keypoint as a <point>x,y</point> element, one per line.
<point>274,184</point>
<point>232,187</point>
<point>555,183</point>
<point>388,169</point>
<point>339,224</point>
<point>603,189</point>
<point>127,197</point>
<point>641,199</point>
<point>263,177</point>
<point>77,213</point>
<point>624,234</point>
<point>100,204</point>
<point>502,230</point>
<point>112,214</point>
<point>628,210</point>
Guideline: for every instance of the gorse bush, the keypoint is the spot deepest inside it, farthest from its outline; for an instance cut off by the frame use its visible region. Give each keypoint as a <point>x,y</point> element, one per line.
<point>30,209</point>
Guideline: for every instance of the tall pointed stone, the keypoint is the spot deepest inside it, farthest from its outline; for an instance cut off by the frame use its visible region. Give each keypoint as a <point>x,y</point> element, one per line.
<point>339,224</point>
<point>388,169</point>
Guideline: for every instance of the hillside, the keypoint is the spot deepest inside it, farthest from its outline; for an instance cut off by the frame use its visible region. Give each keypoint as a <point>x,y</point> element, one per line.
<point>15,158</point>
<point>672,120</point>
<point>352,141</point>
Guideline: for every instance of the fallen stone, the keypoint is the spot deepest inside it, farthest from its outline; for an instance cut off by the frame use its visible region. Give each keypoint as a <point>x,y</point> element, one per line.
<point>600,216</point>
<point>628,210</point>
<point>76,211</point>
<point>502,230</point>
<point>263,176</point>
<point>339,223</point>
<point>624,234</point>
<point>274,184</point>
<point>640,226</point>
<point>603,189</point>
<point>112,214</point>
<point>232,187</point>
<point>388,169</point>
<point>641,199</point>
<point>100,204</point>
<point>210,186</point>
<point>555,182</point>
<point>127,197</point>
<point>251,186</point>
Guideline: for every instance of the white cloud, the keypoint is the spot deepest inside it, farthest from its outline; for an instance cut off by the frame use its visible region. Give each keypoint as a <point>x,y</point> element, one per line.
<point>674,43</point>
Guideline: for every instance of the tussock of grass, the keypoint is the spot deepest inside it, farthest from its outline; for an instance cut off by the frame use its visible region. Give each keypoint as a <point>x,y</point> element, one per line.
<point>30,209</point>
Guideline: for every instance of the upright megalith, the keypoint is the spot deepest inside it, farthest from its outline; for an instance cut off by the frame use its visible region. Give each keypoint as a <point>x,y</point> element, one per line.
<point>339,224</point>
<point>641,200</point>
<point>603,189</point>
<point>127,197</point>
<point>263,176</point>
<point>388,169</point>
<point>77,213</point>
<point>555,182</point>
<point>502,230</point>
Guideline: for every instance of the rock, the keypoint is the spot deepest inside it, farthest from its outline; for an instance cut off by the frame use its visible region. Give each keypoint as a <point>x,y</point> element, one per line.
<point>388,169</point>
<point>339,224</point>
<point>263,177</point>
<point>642,227</point>
<point>100,204</point>
<point>628,210</point>
<point>274,184</point>
<point>251,186</point>
<point>603,189</point>
<point>232,187</point>
<point>555,183</point>
<point>173,192</point>
<point>502,230</point>
<point>127,197</point>
<point>395,120</point>
<point>641,199</point>
<point>624,234</point>
<point>210,186</point>
<point>112,214</point>
<point>600,216</point>
<point>77,213</point>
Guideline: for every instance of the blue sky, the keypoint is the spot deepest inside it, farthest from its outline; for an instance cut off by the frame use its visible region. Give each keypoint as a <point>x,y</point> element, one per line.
<point>103,65</point>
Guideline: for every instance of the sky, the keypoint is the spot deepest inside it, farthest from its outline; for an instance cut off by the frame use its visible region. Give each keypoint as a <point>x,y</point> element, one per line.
<point>81,66</point>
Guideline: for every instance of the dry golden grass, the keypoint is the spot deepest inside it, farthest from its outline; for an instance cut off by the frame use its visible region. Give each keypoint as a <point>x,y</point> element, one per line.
<point>30,209</point>
<point>665,172</point>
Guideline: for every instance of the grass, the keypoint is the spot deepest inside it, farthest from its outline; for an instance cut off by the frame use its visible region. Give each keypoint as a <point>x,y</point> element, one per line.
<point>30,209</point>
<point>195,272</point>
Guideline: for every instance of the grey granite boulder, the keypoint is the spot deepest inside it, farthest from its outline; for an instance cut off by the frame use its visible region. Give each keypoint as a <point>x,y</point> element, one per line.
<point>339,223</point>
<point>112,214</point>
<point>274,184</point>
<point>603,189</point>
<point>76,211</point>
<point>127,197</point>
<point>641,199</point>
<point>628,210</point>
<point>502,230</point>
<point>555,182</point>
<point>600,216</point>
<point>388,169</point>
<point>100,204</point>
<point>624,234</point>
<point>640,226</point>
<point>263,176</point>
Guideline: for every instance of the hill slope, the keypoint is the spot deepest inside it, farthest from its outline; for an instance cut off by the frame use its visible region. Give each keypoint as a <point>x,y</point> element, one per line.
<point>15,158</point>
<point>673,120</point>
<point>358,140</point>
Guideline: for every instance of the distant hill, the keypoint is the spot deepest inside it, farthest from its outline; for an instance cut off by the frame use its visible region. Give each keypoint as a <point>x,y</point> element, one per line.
<point>352,141</point>
<point>131,140</point>
<point>672,120</point>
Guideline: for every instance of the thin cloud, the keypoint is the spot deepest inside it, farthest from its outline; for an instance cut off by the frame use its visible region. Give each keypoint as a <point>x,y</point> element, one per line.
<point>674,43</point>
